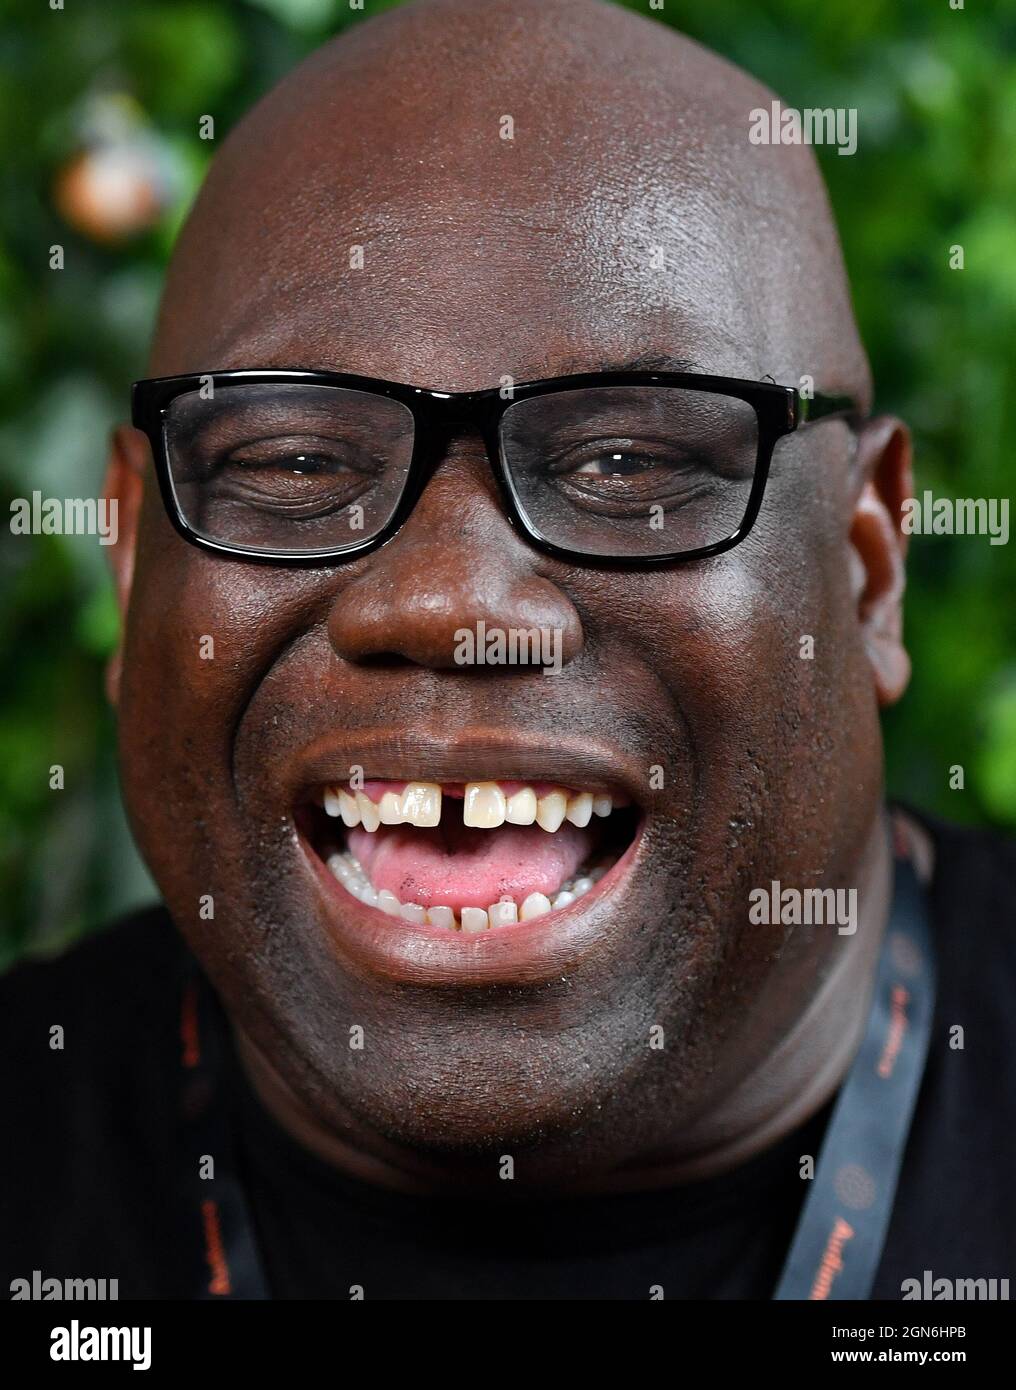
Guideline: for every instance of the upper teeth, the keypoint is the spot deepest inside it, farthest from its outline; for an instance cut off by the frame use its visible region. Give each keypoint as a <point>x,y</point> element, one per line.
<point>485,806</point>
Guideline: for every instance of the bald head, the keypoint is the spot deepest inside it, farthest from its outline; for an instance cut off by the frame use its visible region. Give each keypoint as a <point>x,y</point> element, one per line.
<point>523,178</point>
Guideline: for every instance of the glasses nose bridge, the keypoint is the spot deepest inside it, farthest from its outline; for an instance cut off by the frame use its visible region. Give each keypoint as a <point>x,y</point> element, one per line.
<point>447,419</point>
<point>441,422</point>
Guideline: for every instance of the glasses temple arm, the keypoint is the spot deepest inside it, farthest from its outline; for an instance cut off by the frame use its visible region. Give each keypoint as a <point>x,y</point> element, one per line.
<point>820,407</point>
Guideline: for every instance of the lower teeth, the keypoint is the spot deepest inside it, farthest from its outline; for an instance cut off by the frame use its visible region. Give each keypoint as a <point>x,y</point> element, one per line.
<point>347,869</point>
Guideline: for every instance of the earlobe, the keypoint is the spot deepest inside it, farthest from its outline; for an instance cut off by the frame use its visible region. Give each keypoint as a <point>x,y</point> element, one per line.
<point>878,544</point>
<point>124,486</point>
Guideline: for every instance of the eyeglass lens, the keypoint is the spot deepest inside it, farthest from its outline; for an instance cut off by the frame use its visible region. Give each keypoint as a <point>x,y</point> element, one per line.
<point>609,471</point>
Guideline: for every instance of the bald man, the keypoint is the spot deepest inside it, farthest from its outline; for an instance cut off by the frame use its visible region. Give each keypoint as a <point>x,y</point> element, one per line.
<point>511,566</point>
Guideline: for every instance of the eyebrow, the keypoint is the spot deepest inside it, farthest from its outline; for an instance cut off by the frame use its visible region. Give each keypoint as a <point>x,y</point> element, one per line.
<point>642,362</point>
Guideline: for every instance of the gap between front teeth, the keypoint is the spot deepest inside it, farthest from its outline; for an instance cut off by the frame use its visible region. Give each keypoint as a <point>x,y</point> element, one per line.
<point>485,807</point>
<point>347,869</point>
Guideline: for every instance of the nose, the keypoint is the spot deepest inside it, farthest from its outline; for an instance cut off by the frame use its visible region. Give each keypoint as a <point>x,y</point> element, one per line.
<point>456,564</point>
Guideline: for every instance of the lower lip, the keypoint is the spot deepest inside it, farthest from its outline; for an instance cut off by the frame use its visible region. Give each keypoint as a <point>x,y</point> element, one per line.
<point>524,953</point>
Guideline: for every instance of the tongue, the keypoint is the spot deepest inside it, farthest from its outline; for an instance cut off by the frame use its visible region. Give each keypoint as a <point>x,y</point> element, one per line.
<point>457,866</point>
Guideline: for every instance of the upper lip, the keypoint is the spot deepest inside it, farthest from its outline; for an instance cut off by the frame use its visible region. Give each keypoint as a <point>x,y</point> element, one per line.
<point>467,756</point>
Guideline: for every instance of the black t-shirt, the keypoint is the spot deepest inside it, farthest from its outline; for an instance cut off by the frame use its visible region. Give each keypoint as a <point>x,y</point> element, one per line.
<point>90,1162</point>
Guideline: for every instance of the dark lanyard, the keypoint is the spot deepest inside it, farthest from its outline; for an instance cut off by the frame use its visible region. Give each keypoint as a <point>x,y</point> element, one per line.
<point>231,1267</point>
<point>841,1232</point>
<point>838,1243</point>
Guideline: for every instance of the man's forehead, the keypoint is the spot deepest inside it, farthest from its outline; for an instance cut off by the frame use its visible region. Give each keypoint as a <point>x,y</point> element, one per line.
<point>449,333</point>
<point>418,224</point>
<point>418,364</point>
<point>596,268</point>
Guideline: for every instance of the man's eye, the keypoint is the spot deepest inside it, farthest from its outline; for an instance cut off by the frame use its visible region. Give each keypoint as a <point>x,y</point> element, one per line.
<point>643,464</point>
<point>295,463</point>
<point>616,465</point>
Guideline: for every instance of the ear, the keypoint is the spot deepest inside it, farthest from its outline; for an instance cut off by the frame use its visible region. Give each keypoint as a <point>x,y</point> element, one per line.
<point>878,550</point>
<point>128,460</point>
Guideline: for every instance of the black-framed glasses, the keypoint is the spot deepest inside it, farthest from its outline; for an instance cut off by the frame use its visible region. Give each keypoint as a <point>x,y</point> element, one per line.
<point>616,468</point>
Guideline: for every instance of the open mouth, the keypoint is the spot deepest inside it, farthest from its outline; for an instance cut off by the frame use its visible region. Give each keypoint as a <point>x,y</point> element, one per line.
<point>469,857</point>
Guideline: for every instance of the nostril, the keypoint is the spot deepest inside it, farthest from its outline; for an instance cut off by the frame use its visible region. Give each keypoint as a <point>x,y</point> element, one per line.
<point>385,659</point>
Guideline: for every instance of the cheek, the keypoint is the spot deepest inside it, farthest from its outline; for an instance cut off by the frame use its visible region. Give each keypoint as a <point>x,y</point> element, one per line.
<point>762,643</point>
<point>194,639</point>
<point>724,642</point>
<point>756,658</point>
<point>200,634</point>
<point>201,631</point>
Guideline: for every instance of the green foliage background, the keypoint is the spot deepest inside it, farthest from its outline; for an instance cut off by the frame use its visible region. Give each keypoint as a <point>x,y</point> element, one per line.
<point>936,92</point>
